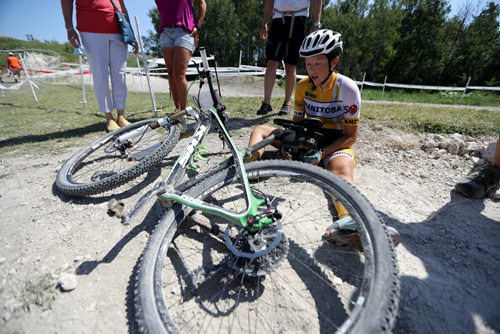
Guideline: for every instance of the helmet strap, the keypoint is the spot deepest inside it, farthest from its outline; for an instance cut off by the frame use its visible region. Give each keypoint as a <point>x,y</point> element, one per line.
<point>328,77</point>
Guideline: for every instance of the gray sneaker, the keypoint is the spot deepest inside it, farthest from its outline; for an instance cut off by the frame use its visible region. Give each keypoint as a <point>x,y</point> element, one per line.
<point>480,184</point>
<point>285,109</point>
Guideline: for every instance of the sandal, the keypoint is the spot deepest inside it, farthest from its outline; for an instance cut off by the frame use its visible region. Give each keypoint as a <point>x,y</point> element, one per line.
<point>112,126</point>
<point>343,232</point>
<point>123,123</point>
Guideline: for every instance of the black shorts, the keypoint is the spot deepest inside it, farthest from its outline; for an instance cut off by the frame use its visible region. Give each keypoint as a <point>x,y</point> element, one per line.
<point>280,46</point>
<point>328,137</point>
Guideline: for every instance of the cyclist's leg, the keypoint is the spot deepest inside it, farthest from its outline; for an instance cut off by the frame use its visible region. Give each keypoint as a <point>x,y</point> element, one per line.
<point>260,132</point>
<point>342,230</point>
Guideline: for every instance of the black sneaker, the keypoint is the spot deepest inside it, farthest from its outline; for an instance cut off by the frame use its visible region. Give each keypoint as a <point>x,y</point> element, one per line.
<point>285,109</point>
<point>480,184</point>
<point>264,108</point>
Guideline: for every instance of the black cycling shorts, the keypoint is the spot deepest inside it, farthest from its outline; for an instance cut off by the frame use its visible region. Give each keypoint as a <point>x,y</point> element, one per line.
<point>280,46</point>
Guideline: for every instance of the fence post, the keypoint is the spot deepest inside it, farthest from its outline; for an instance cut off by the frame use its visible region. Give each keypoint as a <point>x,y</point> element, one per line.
<point>465,89</point>
<point>82,82</point>
<point>31,83</point>
<point>139,73</point>
<point>239,71</point>
<point>383,88</point>
<point>362,83</point>
<point>146,67</point>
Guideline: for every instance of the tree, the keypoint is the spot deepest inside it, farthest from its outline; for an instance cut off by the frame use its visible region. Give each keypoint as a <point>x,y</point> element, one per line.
<point>418,57</point>
<point>152,41</point>
<point>481,46</point>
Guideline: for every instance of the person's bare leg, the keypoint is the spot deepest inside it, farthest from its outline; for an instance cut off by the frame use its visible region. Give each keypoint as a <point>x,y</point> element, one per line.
<point>343,167</point>
<point>269,79</point>
<point>181,57</point>
<point>121,118</point>
<point>290,79</point>
<point>259,133</point>
<point>168,57</point>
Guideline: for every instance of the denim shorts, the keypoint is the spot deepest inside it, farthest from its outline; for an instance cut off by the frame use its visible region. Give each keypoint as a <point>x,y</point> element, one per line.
<point>171,37</point>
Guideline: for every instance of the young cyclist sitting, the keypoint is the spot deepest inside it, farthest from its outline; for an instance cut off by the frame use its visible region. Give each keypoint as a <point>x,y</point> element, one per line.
<point>335,100</point>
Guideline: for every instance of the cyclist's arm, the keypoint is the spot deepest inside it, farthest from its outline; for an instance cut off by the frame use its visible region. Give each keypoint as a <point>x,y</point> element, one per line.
<point>348,139</point>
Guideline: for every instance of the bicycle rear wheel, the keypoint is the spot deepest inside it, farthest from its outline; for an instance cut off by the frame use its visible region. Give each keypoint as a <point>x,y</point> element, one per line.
<point>99,166</point>
<point>190,279</point>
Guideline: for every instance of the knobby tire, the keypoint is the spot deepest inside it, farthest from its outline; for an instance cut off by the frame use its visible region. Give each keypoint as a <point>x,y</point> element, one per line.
<point>317,287</point>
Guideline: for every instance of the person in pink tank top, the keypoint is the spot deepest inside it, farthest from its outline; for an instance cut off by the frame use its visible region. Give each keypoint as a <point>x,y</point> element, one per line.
<point>179,33</point>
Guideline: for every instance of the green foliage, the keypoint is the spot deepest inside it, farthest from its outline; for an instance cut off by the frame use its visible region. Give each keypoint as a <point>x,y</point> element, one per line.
<point>40,293</point>
<point>410,41</point>
<point>433,119</point>
<point>471,98</point>
<point>64,50</point>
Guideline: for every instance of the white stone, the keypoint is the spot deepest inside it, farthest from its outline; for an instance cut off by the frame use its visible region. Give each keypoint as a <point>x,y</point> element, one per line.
<point>67,282</point>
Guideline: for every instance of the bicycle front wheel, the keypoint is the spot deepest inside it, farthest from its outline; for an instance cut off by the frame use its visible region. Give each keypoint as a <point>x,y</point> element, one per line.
<point>196,276</point>
<point>99,166</point>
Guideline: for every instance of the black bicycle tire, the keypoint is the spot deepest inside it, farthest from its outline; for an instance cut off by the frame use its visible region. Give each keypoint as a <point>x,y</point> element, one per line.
<point>379,311</point>
<point>66,185</point>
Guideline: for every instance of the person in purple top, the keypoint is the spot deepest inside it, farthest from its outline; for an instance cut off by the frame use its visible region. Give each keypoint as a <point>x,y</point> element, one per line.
<point>179,33</point>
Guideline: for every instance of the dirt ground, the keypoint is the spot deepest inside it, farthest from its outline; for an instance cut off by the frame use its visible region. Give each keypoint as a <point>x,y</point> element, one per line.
<point>449,254</point>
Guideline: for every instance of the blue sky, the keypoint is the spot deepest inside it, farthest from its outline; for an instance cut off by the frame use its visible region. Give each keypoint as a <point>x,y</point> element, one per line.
<point>43,18</point>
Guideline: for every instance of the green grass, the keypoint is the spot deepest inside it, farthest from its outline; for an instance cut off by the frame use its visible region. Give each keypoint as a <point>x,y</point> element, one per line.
<point>472,98</point>
<point>60,122</point>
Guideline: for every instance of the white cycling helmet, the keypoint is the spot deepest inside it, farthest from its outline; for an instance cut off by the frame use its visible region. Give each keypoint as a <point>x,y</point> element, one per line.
<point>322,41</point>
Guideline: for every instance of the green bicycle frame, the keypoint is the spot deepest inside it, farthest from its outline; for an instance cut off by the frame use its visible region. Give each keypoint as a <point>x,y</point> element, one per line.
<point>252,218</point>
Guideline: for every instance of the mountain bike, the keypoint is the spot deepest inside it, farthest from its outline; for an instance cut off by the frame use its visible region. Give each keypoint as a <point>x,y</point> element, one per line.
<point>238,247</point>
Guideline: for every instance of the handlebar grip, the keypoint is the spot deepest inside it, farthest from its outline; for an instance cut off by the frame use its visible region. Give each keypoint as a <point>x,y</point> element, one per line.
<point>204,59</point>
<point>178,115</point>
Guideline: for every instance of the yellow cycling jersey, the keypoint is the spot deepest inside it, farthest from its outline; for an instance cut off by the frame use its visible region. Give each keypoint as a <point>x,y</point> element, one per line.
<point>337,106</point>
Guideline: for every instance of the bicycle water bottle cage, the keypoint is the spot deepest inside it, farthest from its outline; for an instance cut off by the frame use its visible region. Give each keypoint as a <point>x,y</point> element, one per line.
<point>193,164</point>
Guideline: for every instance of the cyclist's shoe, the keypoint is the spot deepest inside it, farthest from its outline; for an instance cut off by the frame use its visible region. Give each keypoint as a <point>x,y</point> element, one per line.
<point>112,126</point>
<point>343,232</point>
<point>480,184</point>
<point>264,108</point>
<point>252,157</point>
<point>285,109</point>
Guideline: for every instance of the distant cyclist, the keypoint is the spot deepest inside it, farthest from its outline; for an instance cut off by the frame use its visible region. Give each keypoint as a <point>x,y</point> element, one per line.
<point>335,100</point>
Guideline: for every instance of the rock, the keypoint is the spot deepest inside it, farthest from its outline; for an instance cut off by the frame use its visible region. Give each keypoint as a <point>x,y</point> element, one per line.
<point>67,282</point>
<point>453,147</point>
<point>444,144</point>
<point>489,152</point>
<point>475,160</point>
<point>439,138</point>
